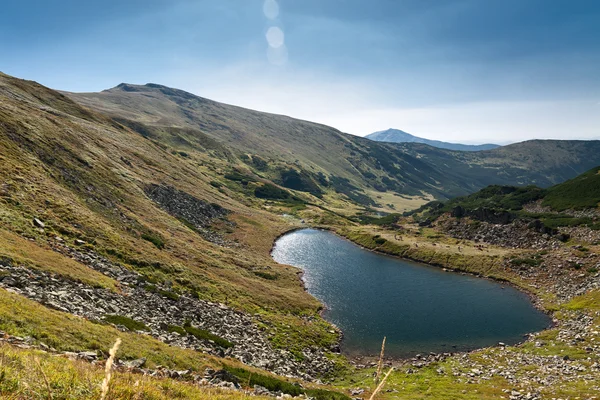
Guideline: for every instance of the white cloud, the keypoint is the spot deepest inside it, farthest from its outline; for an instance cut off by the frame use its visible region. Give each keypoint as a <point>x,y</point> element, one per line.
<point>360,108</point>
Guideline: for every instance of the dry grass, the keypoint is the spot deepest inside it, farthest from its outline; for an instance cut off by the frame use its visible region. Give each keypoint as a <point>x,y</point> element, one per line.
<point>57,377</point>
<point>380,363</point>
<point>108,369</point>
<point>381,384</point>
<point>35,255</point>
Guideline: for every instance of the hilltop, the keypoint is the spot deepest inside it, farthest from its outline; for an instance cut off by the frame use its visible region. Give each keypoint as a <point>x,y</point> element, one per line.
<point>397,136</point>
<point>323,160</point>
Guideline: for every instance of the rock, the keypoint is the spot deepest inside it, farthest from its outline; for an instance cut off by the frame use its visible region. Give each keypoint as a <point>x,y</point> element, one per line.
<point>38,223</point>
<point>138,363</point>
<point>88,355</point>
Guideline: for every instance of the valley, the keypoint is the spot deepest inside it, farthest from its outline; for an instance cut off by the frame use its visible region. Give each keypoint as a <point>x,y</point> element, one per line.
<point>148,213</point>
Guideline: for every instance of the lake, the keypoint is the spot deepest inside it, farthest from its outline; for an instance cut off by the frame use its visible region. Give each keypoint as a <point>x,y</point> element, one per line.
<point>419,308</point>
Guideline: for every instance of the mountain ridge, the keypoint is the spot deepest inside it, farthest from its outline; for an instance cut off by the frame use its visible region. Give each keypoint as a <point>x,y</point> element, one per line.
<point>352,166</point>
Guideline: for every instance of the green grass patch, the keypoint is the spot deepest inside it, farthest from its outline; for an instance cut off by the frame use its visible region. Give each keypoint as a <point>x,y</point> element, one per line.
<point>127,322</point>
<point>206,335</point>
<point>154,239</point>
<point>278,385</point>
<point>266,275</point>
<point>271,192</point>
<point>169,295</point>
<point>178,329</point>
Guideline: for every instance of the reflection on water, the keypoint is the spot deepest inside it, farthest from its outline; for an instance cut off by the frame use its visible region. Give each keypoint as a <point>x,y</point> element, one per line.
<point>419,308</point>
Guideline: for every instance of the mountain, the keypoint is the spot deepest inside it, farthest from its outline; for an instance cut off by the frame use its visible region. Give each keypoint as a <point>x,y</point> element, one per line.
<point>148,214</point>
<point>398,136</point>
<point>326,161</point>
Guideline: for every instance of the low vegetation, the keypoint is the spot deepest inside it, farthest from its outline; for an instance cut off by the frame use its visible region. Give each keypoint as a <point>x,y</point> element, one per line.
<point>206,335</point>
<point>127,322</point>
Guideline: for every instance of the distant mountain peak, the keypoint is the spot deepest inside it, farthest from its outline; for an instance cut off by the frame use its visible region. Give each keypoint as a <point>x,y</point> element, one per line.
<point>398,136</point>
<point>177,95</point>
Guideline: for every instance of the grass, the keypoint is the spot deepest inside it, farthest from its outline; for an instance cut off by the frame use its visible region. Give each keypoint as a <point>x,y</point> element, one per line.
<point>64,332</point>
<point>579,193</point>
<point>154,239</point>
<point>178,329</point>
<point>36,255</point>
<point>33,374</point>
<point>278,385</point>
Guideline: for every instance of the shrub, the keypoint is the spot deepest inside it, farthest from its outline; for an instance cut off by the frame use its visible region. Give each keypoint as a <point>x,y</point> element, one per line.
<point>178,329</point>
<point>271,192</point>
<point>169,295</point>
<point>532,262</point>
<point>275,385</point>
<point>266,275</point>
<point>127,322</point>
<point>206,335</point>
<point>380,240</point>
<point>154,239</point>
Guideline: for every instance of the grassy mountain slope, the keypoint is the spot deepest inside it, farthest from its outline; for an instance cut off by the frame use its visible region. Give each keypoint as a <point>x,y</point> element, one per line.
<point>578,193</point>
<point>73,176</point>
<point>536,162</point>
<point>335,161</point>
<point>561,204</point>
<point>85,176</point>
<point>398,136</point>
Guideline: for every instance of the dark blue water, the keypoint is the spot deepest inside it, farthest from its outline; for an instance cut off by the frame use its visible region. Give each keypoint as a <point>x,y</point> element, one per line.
<point>419,308</point>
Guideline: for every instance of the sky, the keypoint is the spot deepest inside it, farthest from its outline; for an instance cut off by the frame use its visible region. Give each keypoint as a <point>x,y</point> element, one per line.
<point>471,71</point>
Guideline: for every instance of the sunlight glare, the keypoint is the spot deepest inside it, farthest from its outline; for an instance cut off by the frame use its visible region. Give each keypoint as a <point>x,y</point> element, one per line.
<point>275,37</point>
<point>271,9</point>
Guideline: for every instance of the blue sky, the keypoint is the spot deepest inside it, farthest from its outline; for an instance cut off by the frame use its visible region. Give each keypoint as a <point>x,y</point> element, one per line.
<point>455,70</point>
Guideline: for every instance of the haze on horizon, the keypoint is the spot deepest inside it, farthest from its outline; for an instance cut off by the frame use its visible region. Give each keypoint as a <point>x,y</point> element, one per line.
<point>454,70</point>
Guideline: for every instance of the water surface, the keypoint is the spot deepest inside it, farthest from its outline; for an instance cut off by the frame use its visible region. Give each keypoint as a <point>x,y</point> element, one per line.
<point>418,307</point>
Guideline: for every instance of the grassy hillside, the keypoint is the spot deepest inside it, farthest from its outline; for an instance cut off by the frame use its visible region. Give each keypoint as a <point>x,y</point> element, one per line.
<point>353,167</point>
<point>85,177</point>
<point>503,204</point>
<point>579,193</point>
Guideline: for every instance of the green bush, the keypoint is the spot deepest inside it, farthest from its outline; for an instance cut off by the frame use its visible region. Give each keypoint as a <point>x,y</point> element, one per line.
<point>169,295</point>
<point>271,192</point>
<point>206,335</point>
<point>379,240</point>
<point>154,239</point>
<point>237,177</point>
<point>275,385</point>
<point>266,275</point>
<point>532,262</point>
<point>127,322</point>
<point>178,329</point>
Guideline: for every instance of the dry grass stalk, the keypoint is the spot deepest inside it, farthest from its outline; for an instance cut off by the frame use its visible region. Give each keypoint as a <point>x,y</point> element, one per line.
<point>108,368</point>
<point>37,362</point>
<point>380,386</point>
<point>380,364</point>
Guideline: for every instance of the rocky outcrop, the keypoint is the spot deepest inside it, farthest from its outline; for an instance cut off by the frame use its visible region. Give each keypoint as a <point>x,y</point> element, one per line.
<point>484,214</point>
<point>161,309</point>
<point>195,213</point>
<point>518,234</point>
